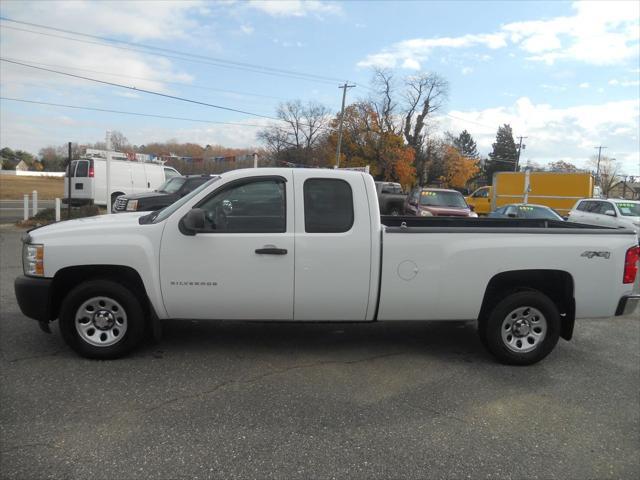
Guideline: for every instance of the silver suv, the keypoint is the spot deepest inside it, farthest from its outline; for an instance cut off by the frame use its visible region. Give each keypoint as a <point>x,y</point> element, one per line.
<point>612,212</point>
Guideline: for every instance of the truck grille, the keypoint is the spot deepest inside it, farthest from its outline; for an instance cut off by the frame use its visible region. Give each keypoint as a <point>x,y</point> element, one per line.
<point>121,204</point>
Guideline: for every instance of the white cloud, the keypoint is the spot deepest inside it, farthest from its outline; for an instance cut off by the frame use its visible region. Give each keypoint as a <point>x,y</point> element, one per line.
<point>584,85</point>
<point>246,29</point>
<point>126,20</point>
<point>598,33</point>
<point>554,133</point>
<point>466,70</point>
<point>138,20</point>
<point>624,83</point>
<point>295,8</point>
<point>413,52</point>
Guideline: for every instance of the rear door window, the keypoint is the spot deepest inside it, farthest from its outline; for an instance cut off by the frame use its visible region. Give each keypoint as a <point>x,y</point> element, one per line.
<point>82,169</point>
<point>328,206</point>
<point>74,164</point>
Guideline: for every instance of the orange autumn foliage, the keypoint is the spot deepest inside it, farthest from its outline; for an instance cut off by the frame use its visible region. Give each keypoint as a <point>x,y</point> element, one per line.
<point>458,168</point>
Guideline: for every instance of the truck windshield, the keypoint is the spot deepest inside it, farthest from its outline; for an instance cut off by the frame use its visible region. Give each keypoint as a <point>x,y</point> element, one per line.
<point>629,209</point>
<point>166,212</point>
<point>436,198</point>
<point>172,185</point>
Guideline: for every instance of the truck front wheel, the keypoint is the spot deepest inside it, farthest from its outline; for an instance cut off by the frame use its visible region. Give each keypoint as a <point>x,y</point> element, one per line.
<point>521,329</point>
<point>101,319</point>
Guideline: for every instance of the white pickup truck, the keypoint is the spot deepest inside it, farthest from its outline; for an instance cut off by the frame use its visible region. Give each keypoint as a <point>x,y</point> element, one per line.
<point>309,245</point>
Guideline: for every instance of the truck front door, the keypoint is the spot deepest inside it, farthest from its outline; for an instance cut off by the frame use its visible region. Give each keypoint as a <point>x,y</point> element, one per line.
<point>242,266</point>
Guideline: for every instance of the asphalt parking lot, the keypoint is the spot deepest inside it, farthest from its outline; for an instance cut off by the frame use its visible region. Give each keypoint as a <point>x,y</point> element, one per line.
<point>249,400</point>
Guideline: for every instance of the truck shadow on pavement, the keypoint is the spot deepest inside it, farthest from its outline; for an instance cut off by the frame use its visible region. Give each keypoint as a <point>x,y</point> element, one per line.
<point>444,340</point>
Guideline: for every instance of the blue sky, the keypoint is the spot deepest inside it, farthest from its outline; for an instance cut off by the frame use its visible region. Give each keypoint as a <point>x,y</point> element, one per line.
<point>563,74</point>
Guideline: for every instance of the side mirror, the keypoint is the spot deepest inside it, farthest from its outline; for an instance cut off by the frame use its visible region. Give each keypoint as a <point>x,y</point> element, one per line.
<point>512,215</point>
<point>192,222</point>
<point>472,208</point>
<point>611,213</point>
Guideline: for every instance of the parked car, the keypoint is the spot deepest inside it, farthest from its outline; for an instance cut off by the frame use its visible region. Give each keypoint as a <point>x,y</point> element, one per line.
<point>166,194</point>
<point>391,198</point>
<point>306,245</point>
<point>437,202</point>
<point>608,213</point>
<point>525,210</point>
<point>89,179</point>
<point>480,200</point>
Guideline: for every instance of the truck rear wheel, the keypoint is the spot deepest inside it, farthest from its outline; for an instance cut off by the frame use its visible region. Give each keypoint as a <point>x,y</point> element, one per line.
<point>521,329</point>
<point>101,319</point>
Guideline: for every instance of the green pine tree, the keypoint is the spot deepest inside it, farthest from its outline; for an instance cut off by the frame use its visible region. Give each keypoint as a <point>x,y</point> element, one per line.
<point>504,155</point>
<point>466,145</point>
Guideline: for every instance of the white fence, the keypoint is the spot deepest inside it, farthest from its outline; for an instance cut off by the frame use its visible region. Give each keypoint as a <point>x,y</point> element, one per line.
<point>27,173</point>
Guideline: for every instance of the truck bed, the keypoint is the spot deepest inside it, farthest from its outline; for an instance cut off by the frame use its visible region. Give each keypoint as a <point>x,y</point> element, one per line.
<point>412,224</point>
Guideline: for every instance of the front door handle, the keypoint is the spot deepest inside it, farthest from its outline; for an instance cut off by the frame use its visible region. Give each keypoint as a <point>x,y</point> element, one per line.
<point>271,250</point>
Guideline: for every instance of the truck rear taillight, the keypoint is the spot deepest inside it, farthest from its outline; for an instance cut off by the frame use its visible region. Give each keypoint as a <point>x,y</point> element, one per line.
<point>91,171</point>
<point>631,265</point>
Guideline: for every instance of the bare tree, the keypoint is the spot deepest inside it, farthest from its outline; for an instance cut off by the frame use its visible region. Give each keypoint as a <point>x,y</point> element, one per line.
<point>299,132</point>
<point>384,104</point>
<point>609,173</point>
<point>424,95</point>
<point>118,141</point>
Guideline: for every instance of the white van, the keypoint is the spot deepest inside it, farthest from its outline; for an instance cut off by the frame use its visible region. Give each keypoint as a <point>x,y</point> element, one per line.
<point>89,179</point>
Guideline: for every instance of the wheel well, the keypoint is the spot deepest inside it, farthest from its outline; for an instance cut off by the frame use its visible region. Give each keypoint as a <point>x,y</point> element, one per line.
<point>67,278</point>
<point>556,284</point>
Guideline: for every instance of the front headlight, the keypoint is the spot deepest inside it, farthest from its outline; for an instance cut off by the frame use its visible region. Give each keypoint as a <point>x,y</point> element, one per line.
<point>473,215</point>
<point>132,205</point>
<point>426,213</point>
<point>33,259</point>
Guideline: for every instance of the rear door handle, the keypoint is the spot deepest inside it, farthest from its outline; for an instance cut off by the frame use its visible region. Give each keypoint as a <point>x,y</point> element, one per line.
<point>271,250</point>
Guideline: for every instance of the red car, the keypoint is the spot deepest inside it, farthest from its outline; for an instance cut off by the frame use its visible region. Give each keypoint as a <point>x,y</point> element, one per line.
<point>437,202</point>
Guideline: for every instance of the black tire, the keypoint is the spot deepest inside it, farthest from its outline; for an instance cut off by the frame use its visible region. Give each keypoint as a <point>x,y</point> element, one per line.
<point>504,315</point>
<point>126,302</point>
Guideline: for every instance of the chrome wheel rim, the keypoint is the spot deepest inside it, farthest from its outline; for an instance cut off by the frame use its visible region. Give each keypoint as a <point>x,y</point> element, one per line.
<point>524,329</point>
<point>101,321</point>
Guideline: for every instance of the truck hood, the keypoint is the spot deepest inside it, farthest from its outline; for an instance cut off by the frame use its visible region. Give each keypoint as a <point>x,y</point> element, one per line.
<point>137,196</point>
<point>97,224</point>
<point>447,211</point>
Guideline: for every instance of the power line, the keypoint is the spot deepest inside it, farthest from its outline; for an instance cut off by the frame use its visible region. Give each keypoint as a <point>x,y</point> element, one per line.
<point>187,84</point>
<point>169,53</point>
<point>174,97</point>
<point>151,92</point>
<point>122,112</point>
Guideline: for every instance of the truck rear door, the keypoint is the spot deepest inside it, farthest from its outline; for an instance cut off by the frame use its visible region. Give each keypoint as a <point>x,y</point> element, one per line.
<point>333,247</point>
<point>81,180</point>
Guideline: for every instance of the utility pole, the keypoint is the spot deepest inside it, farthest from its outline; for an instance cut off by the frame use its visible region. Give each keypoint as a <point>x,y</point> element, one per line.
<point>520,147</point>
<point>344,88</point>
<point>108,144</point>
<point>69,173</point>
<point>598,165</point>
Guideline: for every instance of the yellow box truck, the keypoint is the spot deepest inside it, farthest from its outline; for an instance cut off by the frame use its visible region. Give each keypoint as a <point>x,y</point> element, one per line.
<point>559,191</point>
